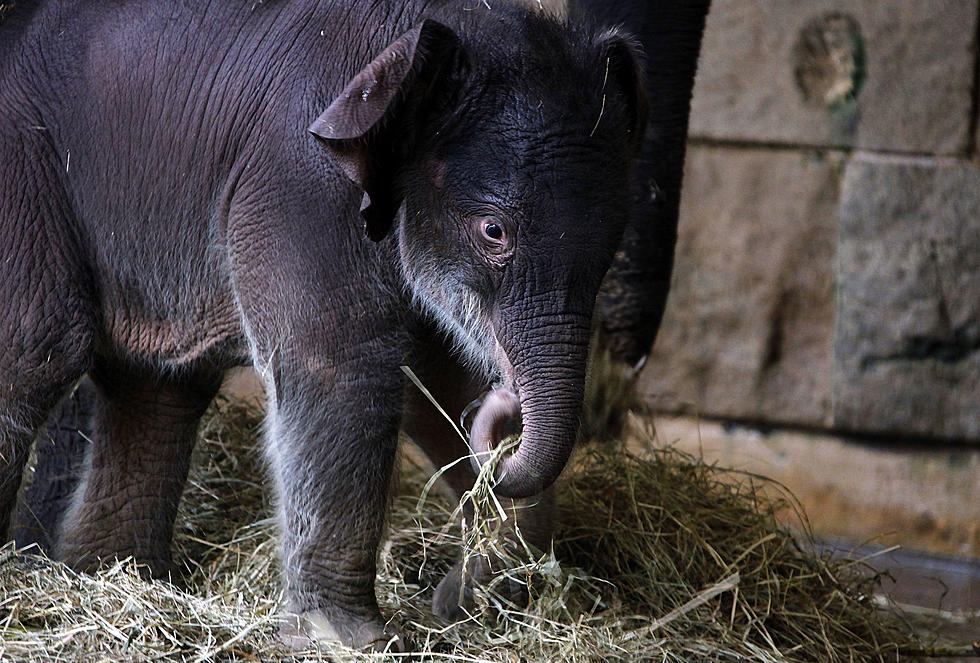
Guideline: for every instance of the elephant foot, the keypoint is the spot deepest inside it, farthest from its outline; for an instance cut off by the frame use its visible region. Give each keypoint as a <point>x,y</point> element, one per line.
<point>300,632</point>
<point>150,567</point>
<point>454,599</point>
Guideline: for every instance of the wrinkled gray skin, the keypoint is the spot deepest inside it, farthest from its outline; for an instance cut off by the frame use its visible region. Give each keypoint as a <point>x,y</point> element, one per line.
<point>632,299</point>
<point>187,189</point>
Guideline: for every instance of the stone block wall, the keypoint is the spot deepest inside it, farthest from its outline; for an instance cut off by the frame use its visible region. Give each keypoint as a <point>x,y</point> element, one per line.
<point>828,260</point>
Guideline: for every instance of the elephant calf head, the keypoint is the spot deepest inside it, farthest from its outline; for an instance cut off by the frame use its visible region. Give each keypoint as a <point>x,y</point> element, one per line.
<point>504,170</point>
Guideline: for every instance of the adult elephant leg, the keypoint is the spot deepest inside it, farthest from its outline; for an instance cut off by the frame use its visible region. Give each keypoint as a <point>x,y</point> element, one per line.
<point>144,431</point>
<point>454,388</point>
<point>634,294</point>
<point>60,452</point>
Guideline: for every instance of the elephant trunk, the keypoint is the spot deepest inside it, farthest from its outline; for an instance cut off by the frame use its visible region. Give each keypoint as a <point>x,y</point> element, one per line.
<point>550,380</point>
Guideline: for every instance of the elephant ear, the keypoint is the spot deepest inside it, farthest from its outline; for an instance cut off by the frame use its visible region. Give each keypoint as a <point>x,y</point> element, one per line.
<point>368,128</point>
<point>622,59</point>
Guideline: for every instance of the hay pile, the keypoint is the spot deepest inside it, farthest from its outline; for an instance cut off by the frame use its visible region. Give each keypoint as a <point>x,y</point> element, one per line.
<point>658,558</point>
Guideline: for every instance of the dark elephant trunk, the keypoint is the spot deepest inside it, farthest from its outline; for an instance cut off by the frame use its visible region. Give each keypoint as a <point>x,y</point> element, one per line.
<point>549,377</point>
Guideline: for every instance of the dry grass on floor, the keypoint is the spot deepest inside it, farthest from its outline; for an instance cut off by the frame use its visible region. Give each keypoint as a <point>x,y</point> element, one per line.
<point>659,558</point>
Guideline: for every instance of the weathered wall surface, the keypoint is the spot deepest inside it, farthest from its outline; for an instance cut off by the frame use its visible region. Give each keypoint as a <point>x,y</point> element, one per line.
<point>886,75</point>
<point>828,262</point>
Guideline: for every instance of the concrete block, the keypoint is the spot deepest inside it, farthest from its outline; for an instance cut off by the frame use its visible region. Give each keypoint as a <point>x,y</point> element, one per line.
<point>886,75</point>
<point>907,347</point>
<point>749,322</point>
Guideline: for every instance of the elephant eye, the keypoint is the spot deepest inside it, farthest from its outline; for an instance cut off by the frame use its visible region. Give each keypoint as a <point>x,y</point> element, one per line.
<point>493,238</point>
<point>493,231</point>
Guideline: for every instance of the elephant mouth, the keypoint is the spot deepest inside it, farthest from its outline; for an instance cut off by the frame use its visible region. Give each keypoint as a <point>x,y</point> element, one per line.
<point>491,419</point>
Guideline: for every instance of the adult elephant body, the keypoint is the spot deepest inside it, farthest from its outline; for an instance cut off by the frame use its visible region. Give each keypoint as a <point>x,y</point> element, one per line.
<point>186,188</point>
<point>632,300</point>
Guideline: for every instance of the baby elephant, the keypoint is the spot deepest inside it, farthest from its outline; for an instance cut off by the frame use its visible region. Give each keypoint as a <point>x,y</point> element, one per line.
<point>324,190</point>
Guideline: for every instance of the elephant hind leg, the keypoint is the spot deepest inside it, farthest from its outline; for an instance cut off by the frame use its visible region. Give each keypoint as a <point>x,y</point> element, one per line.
<point>45,345</point>
<point>20,419</point>
<point>47,309</point>
<point>59,452</point>
<point>144,429</point>
<point>29,389</point>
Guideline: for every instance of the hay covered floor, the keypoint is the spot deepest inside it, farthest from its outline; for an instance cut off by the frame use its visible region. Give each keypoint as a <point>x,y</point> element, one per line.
<point>659,558</point>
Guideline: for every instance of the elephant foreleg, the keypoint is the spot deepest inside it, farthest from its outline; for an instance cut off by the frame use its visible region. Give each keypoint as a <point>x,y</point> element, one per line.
<point>332,445</point>
<point>454,388</point>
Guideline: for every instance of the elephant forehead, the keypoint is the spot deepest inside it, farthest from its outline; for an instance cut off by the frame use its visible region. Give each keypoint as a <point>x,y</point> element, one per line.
<point>519,169</point>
